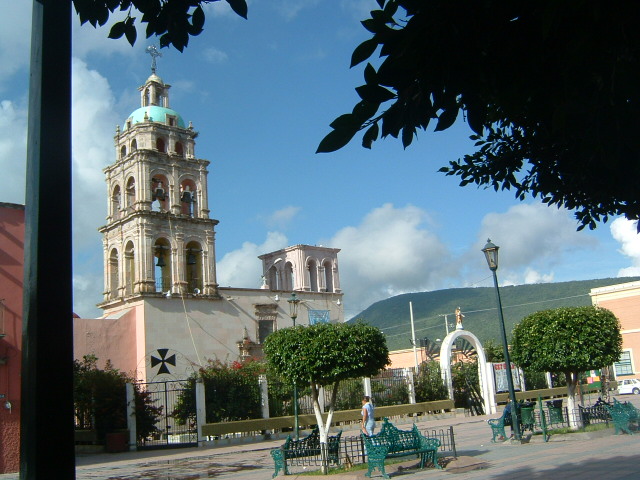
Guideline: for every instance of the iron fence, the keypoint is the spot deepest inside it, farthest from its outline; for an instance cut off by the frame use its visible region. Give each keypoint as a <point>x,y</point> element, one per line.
<point>390,388</point>
<point>352,451</point>
<point>349,396</point>
<point>562,417</point>
<point>169,432</point>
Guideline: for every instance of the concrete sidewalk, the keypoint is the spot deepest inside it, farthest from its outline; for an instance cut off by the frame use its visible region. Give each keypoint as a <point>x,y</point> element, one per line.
<point>601,454</point>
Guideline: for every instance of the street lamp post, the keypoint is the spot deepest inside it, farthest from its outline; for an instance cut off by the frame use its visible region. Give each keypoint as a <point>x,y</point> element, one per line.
<point>491,253</point>
<point>293,313</point>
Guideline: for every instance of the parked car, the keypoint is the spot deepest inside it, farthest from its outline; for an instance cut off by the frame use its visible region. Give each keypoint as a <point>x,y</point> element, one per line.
<point>629,385</point>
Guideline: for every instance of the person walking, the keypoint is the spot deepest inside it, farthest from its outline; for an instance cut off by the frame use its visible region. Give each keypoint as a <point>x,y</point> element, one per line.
<point>368,419</point>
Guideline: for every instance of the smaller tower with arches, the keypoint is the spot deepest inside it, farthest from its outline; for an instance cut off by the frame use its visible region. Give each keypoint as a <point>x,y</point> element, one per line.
<point>304,268</point>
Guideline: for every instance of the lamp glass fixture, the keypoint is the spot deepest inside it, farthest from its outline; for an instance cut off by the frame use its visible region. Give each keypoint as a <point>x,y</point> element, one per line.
<point>491,254</point>
<point>293,305</point>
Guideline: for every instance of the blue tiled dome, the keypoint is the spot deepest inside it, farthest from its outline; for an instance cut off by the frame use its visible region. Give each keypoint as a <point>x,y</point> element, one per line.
<point>154,114</point>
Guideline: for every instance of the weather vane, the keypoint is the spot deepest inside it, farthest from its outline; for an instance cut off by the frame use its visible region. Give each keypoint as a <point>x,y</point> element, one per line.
<point>153,51</point>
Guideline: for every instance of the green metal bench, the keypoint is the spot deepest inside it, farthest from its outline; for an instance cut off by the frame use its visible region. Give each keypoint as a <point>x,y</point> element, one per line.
<point>624,416</point>
<point>308,446</point>
<point>392,442</point>
<point>527,420</point>
<point>497,425</point>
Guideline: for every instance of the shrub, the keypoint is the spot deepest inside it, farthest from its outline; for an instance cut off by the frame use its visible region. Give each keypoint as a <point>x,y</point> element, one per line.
<point>429,384</point>
<point>231,392</point>
<point>100,400</point>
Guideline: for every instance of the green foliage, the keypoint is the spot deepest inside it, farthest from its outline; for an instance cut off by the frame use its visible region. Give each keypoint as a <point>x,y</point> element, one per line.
<point>281,397</point>
<point>428,383</point>
<point>100,400</point>
<point>326,353</point>
<point>350,393</point>
<point>552,106</point>
<point>174,21</point>
<point>493,351</point>
<point>389,390</point>
<point>569,340</point>
<point>465,381</point>
<point>535,380</point>
<point>231,393</point>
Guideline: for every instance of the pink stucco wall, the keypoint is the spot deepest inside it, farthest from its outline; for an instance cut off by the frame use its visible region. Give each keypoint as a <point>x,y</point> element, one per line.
<point>11,281</point>
<point>110,339</point>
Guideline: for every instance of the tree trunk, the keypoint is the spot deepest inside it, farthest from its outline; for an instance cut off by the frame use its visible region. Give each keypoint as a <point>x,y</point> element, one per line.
<point>323,427</point>
<point>572,381</point>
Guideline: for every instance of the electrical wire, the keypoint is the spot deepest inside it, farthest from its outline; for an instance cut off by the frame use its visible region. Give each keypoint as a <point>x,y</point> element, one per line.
<point>477,311</point>
<point>184,306</point>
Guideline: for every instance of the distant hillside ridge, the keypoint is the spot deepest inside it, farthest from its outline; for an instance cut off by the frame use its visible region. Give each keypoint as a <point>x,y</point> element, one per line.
<point>479,307</point>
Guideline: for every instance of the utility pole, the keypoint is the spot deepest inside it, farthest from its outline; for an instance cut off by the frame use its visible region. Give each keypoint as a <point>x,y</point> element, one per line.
<point>413,336</point>
<point>446,321</point>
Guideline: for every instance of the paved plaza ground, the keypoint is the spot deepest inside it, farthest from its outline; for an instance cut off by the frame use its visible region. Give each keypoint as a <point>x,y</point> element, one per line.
<point>600,455</point>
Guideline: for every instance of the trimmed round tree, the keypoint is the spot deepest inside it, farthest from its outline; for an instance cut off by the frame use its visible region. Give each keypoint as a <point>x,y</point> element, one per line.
<point>569,340</point>
<point>324,354</point>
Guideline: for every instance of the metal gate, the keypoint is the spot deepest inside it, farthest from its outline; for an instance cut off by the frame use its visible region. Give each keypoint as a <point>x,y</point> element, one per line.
<point>170,434</point>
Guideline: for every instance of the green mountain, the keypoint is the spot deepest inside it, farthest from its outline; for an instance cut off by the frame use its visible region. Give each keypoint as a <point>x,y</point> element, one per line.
<point>478,305</point>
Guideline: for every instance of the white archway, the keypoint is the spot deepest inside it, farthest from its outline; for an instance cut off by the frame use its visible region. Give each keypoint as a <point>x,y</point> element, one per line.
<point>484,374</point>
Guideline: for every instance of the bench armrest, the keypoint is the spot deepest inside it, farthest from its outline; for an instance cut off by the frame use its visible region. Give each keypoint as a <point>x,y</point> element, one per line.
<point>429,443</point>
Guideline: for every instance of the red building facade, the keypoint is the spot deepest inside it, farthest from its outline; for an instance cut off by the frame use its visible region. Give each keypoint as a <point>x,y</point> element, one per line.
<point>11,282</point>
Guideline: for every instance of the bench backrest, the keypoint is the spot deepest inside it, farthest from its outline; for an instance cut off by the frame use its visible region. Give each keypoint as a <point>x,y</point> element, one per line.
<point>395,439</point>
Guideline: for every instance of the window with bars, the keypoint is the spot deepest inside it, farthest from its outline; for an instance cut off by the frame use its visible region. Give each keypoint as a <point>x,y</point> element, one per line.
<point>266,316</point>
<point>265,328</point>
<point>623,366</point>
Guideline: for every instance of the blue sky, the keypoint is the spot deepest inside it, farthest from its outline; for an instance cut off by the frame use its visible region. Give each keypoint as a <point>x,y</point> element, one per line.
<point>262,93</point>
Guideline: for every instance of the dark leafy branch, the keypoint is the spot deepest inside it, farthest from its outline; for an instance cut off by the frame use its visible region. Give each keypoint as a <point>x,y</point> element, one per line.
<point>548,88</point>
<point>174,21</point>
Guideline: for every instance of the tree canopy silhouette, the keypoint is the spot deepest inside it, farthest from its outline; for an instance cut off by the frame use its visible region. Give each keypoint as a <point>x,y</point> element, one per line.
<point>548,88</point>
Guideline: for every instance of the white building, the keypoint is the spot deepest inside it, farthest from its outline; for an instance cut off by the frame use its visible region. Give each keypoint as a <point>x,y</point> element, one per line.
<point>164,312</point>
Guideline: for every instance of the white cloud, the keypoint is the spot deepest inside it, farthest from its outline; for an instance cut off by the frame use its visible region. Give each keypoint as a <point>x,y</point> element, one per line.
<point>389,253</point>
<point>625,232</point>
<point>213,55</point>
<point>280,219</point>
<point>13,151</point>
<point>15,29</point>
<point>533,239</point>
<point>290,10</point>
<point>533,276</point>
<point>242,268</point>
<point>88,40</point>
<point>93,127</point>
<point>221,9</point>
<point>87,288</point>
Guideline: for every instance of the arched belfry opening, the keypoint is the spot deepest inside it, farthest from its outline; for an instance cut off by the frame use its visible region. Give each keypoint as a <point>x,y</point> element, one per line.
<point>159,193</point>
<point>312,272</point>
<point>116,202</point>
<point>188,192</point>
<point>445,365</point>
<point>114,273</point>
<point>163,262</point>
<point>129,268</point>
<point>130,198</point>
<point>328,276</point>
<point>193,267</point>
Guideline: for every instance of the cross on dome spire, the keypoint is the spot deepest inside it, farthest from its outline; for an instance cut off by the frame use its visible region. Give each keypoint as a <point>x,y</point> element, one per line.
<point>154,52</point>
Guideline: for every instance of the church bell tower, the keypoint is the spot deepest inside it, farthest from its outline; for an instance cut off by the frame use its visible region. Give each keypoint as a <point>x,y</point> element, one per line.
<point>158,239</point>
